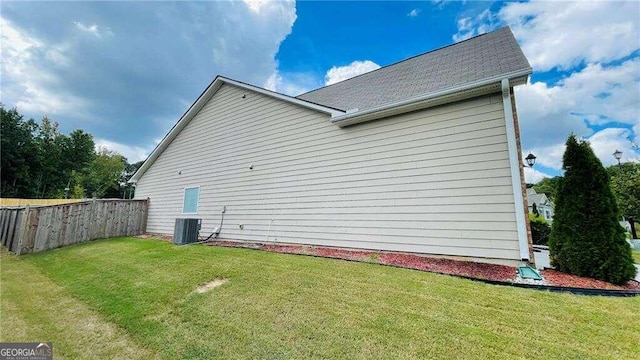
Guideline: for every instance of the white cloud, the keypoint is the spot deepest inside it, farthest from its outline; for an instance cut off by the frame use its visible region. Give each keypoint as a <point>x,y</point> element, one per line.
<point>340,73</point>
<point>257,6</point>
<point>55,73</point>
<point>132,153</point>
<point>414,13</point>
<point>549,156</point>
<point>469,27</point>
<point>564,34</point>
<point>14,42</point>
<point>273,81</point>
<point>596,95</point>
<point>286,85</point>
<point>441,3</point>
<point>595,43</point>
<point>603,143</point>
<point>607,93</point>
<point>606,141</point>
<point>246,42</point>
<point>533,176</point>
<point>93,29</point>
<point>25,84</point>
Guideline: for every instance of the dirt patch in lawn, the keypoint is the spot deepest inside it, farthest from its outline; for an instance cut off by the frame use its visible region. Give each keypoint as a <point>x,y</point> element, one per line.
<point>469,269</point>
<point>155,236</point>
<point>210,285</point>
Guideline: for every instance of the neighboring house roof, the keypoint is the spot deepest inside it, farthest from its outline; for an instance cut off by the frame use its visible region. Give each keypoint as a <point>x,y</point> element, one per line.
<point>538,199</point>
<point>470,68</point>
<point>488,56</point>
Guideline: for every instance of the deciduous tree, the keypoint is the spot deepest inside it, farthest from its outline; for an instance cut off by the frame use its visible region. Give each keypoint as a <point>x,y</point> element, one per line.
<point>18,154</point>
<point>104,173</point>
<point>625,183</point>
<point>548,186</point>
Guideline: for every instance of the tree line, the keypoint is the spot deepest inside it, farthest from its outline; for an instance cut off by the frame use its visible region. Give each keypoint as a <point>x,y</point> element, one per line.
<point>37,161</point>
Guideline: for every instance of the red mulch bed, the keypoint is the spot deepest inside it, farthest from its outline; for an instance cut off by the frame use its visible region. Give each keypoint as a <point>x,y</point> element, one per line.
<point>432,264</point>
<point>558,278</point>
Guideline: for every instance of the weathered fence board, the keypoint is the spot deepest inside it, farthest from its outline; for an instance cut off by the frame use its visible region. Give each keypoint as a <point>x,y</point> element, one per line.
<point>25,230</point>
<point>9,224</point>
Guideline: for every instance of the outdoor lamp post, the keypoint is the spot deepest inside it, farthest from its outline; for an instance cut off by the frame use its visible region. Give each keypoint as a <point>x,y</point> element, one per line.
<point>618,155</point>
<point>124,189</point>
<point>531,160</point>
<point>133,190</point>
<point>67,188</point>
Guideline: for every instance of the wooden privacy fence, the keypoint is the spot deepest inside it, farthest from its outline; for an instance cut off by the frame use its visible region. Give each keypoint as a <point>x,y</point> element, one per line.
<point>25,230</point>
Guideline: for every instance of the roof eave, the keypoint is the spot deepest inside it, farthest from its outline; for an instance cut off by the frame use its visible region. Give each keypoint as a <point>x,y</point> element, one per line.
<point>478,88</point>
<point>203,99</point>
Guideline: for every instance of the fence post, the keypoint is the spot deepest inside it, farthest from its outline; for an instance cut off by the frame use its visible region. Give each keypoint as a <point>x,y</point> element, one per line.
<point>145,216</point>
<point>24,227</point>
<point>92,223</point>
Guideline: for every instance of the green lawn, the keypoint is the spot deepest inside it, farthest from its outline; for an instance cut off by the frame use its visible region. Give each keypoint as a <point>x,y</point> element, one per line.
<point>133,298</point>
<point>636,256</point>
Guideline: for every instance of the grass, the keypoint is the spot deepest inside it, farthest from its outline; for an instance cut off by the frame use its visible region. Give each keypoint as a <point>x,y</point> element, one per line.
<point>636,256</point>
<point>133,298</point>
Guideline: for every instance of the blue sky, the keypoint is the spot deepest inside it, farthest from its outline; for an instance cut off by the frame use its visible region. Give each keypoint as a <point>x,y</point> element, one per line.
<point>126,71</point>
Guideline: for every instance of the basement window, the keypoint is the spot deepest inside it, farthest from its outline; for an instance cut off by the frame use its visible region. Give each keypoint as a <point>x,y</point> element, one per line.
<point>190,203</point>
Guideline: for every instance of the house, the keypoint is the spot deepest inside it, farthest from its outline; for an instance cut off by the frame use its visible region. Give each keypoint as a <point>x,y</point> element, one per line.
<point>543,205</point>
<point>420,156</point>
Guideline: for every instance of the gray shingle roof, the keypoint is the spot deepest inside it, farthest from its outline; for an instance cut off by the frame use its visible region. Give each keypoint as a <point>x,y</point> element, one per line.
<point>538,199</point>
<point>476,59</point>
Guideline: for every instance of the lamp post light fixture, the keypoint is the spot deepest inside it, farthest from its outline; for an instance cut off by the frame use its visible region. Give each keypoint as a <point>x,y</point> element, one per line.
<point>123,185</point>
<point>531,160</point>
<point>67,188</point>
<point>132,191</point>
<point>618,155</point>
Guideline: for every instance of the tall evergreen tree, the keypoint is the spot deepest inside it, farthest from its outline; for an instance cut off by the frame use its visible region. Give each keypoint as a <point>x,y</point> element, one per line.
<point>586,238</point>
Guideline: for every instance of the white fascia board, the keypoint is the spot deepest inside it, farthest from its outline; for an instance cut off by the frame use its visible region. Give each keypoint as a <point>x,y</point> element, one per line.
<point>514,164</point>
<point>466,91</point>
<point>202,100</point>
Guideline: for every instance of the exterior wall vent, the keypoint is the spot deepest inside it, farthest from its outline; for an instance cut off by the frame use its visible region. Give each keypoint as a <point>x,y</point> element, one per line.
<point>186,231</point>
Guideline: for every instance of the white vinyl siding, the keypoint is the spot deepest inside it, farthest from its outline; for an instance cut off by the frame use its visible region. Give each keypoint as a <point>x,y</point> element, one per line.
<point>432,181</point>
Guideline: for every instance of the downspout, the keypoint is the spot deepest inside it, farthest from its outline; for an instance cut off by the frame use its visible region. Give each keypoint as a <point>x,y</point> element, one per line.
<point>522,179</point>
<point>514,164</point>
